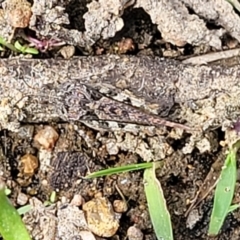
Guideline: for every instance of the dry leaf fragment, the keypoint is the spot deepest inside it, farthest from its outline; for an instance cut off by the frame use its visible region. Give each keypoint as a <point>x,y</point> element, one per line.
<point>28,164</point>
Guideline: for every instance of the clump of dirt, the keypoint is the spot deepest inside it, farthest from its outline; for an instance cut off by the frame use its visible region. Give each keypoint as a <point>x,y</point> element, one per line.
<point>97,27</point>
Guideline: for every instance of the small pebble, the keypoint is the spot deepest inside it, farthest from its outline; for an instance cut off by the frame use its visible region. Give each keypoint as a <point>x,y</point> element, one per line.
<point>22,199</point>
<point>67,51</point>
<point>28,164</point>
<point>77,200</point>
<point>47,137</point>
<point>100,217</point>
<point>134,233</point>
<point>45,182</point>
<point>64,200</point>
<point>120,206</point>
<point>193,218</point>
<point>85,235</point>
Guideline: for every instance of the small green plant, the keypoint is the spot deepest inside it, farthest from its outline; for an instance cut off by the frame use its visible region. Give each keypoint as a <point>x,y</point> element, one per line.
<point>24,209</point>
<point>17,47</point>
<point>3,42</point>
<point>224,191</point>
<point>11,225</point>
<point>158,211</point>
<point>25,49</point>
<point>52,199</point>
<point>43,45</point>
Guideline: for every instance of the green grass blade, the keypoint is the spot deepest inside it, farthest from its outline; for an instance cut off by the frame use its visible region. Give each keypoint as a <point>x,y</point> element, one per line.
<point>224,193</point>
<point>7,191</point>
<point>11,225</point>
<point>233,208</point>
<point>53,197</point>
<point>115,170</point>
<point>158,211</point>
<point>31,50</point>
<point>24,209</point>
<point>8,45</point>
<point>25,49</point>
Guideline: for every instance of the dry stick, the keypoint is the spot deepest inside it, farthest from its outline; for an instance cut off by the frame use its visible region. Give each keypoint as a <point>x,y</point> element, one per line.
<point>209,183</point>
<point>212,57</point>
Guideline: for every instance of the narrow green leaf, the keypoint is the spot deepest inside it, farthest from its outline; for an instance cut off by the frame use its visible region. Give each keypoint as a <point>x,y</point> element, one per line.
<point>53,197</point>
<point>47,203</point>
<point>25,49</point>
<point>11,225</point>
<point>8,45</point>
<point>19,47</point>
<point>7,191</point>
<point>158,211</point>
<point>24,209</point>
<point>233,208</point>
<point>224,193</point>
<point>115,170</point>
<point>31,50</point>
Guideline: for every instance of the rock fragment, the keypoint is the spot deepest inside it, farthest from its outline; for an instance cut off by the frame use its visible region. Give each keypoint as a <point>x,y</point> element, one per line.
<point>176,25</point>
<point>100,216</point>
<point>134,233</point>
<point>28,165</point>
<point>47,137</point>
<point>18,13</point>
